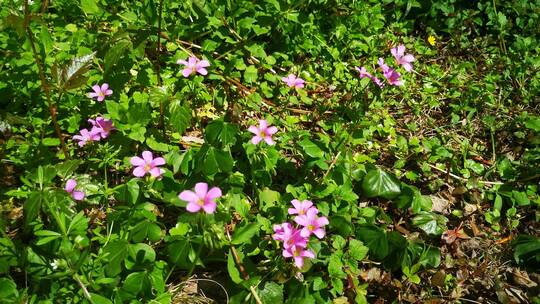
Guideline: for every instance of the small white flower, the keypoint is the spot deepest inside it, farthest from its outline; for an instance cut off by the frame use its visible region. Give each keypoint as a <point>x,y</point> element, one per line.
<point>54,264</point>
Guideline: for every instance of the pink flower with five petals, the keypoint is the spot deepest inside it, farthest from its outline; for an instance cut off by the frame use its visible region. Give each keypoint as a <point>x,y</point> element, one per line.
<point>312,223</point>
<point>263,132</point>
<point>201,198</point>
<point>147,164</point>
<point>87,136</point>
<point>300,207</point>
<point>401,58</point>
<point>102,126</point>
<point>100,92</point>
<point>194,65</point>
<point>298,254</point>
<point>293,81</point>
<point>289,235</point>
<point>391,75</point>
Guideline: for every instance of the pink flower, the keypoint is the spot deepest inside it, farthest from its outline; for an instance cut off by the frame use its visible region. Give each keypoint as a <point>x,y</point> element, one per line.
<point>100,92</point>
<point>194,65</point>
<point>289,235</point>
<point>300,207</point>
<point>262,132</point>
<point>312,223</point>
<point>390,74</point>
<point>201,198</point>
<point>365,74</point>
<point>147,164</point>
<point>298,254</point>
<point>102,126</point>
<point>293,81</point>
<point>87,136</point>
<point>401,58</point>
<point>70,188</point>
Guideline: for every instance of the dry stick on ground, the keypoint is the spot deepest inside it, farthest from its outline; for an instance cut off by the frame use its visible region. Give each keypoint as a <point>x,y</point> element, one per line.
<point>462,178</point>
<point>241,268</point>
<point>83,287</point>
<point>44,83</point>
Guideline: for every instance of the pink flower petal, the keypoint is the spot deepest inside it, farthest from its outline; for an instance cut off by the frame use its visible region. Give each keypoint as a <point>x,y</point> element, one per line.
<point>269,140</point>
<point>158,161</point>
<point>271,130</point>
<point>301,220</point>
<point>188,196</point>
<point>202,71</point>
<point>193,207</point>
<point>319,232</point>
<point>201,189</point>
<point>263,124</point>
<point>305,232</point>
<point>186,72</point>
<point>254,130</point>
<point>93,95</point>
<point>155,172</point>
<point>214,193</point>
<point>192,61</point>
<point>322,221</point>
<point>210,207</point>
<point>299,261</point>
<point>137,161</point>
<point>139,171</point>
<point>147,156</point>
<point>96,89</point>
<point>100,98</point>
<point>108,92</point>
<point>203,63</point>
<point>104,87</point>
<point>70,185</point>
<point>256,140</point>
<point>181,61</point>
<point>77,195</point>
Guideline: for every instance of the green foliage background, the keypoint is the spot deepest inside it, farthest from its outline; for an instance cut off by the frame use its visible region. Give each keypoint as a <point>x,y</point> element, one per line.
<point>465,124</point>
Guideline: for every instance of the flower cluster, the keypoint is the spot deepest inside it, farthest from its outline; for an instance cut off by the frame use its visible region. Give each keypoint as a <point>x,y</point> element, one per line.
<point>295,238</point>
<point>392,76</point>
<point>101,128</point>
<point>194,65</point>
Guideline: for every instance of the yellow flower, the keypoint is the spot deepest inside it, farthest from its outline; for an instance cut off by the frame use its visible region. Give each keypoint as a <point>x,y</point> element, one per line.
<point>432,40</point>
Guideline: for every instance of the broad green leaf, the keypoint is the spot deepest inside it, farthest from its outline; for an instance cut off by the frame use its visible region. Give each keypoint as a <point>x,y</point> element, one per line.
<point>378,183</point>
<point>97,299</point>
<point>135,282</point>
<point>527,250</point>
<point>139,254</point>
<point>67,168</point>
<point>179,117</point>
<point>116,52</point>
<point>90,7</point>
<point>430,222</point>
<point>128,192</point>
<point>178,251</point>
<point>375,239</point>
<point>115,252</point>
<point>357,250</point>
<point>8,290</point>
<point>233,271</point>
<point>311,148</point>
<point>219,133</point>
<point>244,234</point>
<point>271,293</point>
<point>250,74</point>
<point>8,255</point>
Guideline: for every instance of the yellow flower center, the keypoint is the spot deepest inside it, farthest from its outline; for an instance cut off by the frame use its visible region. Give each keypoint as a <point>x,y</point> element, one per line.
<point>147,167</point>
<point>200,202</point>
<point>263,134</point>
<point>310,227</point>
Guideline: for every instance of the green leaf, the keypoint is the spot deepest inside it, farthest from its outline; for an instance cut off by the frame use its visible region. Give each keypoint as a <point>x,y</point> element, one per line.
<point>311,149</point>
<point>115,252</point>
<point>8,257</point>
<point>250,74</point>
<point>90,7</point>
<point>128,192</point>
<point>219,133</point>
<point>378,183</point>
<point>135,282</point>
<point>375,239</point>
<point>67,168</point>
<point>73,75</point>
<point>533,123</point>
<point>97,299</point>
<point>244,234</point>
<point>431,223</point>
<point>271,293</point>
<point>178,251</point>
<point>51,141</point>
<point>268,198</point>
<point>179,117</point>
<point>115,53</point>
<point>527,250</point>
<point>8,290</point>
<point>335,266</point>
<point>357,250</point>
<point>32,206</point>
<point>139,254</point>
<point>234,273</point>
<point>146,229</point>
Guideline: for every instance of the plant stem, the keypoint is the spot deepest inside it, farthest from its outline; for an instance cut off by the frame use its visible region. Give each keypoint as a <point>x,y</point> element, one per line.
<point>44,84</point>
<point>158,69</point>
